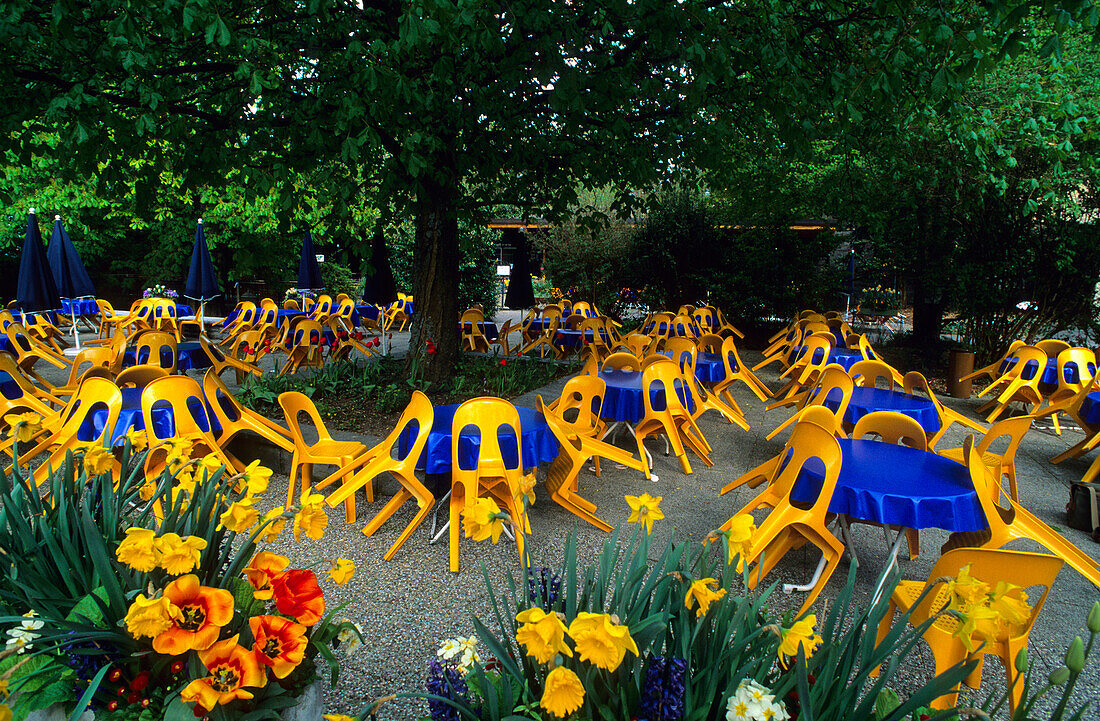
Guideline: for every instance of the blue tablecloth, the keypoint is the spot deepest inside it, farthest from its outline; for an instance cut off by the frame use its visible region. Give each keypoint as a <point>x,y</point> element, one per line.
<point>130,417</point>
<point>191,357</point>
<point>898,485</point>
<point>539,443</point>
<point>79,306</point>
<point>489,330</point>
<point>280,318</point>
<point>842,356</point>
<point>572,338</point>
<point>867,400</point>
<point>676,330</point>
<point>5,346</point>
<point>708,366</point>
<point>51,315</point>
<point>1090,408</point>
<point>365,310</point>
<point>623,399</point>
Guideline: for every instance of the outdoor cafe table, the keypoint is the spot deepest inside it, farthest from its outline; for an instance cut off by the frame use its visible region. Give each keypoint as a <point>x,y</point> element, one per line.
<point>1050,371</point>
<point>1090,408</point>
<point>866,400</point>
<point>623,401</point>
<point>572,338</point>
<point>190,354</point>
<point>844,357</point>
<point>130,417</point>
<point>708,366</point>
<point>79,306</point>
<point>539,443</point>
<point>895,485</point>
<point>280,318</point>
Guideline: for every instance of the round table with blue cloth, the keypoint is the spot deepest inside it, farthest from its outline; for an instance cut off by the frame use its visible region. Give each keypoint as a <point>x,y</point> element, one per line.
<point>898,486</point>
<point>623,399</point>
<point>130,417</point>
<point>79,306</point>
<point>866,400</point>
<point>364,310</point>
<point>572,338</point>
<point>539,443</point>
<point>842,356</point>
<point>1090,408</point>
<point>190,353</point>
<point>708,366</point>
<point>281,316</point>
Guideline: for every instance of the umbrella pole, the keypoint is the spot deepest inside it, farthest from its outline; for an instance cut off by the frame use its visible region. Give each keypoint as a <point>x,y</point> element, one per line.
<point>76,329</point>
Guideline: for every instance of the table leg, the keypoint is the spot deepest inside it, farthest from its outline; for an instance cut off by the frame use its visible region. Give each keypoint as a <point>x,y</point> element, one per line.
<point>890,565</point>
<point>791,587</point>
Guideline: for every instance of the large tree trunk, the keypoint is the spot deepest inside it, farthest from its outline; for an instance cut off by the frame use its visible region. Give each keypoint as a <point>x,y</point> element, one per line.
<point>435,285</point>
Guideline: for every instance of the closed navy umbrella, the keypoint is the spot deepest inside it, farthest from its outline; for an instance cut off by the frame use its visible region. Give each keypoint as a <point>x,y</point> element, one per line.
<point>379,287</point>
<point>36,289</point>
<point>520,294</point>
<point>309,274</point>
<point>202,281</point>
<point>69,274</point>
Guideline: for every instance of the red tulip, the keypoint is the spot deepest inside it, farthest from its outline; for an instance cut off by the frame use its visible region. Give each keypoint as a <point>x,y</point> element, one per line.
<point>503,361</point>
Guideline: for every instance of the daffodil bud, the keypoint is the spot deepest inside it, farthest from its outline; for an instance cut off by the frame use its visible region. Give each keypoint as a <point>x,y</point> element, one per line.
<point>1094,618</point>
<point>1059,677</point>
<point>1075,656</point>
<point>1021,661</point>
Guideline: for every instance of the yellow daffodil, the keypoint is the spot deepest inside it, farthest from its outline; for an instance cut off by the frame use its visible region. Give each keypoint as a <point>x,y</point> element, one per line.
<point>563,692</point>
<point>966,589</point>
<point>212,463</point>
<point>138,550</point>
<point>311,518</point>
<point>703,592</point>
<point>149,616</point>
<point>1009,601</point>
<point>739,539</point>
<point>341,571</point>
<point>256,478</point>
<point>138,440</point>
<point>800,634</point>
<point>483,519</point>
<point>6,714</point>
<point>338,717</point>
<point>543,634</point>
<point>179,555</point>
<point>24,425</point>
<point>97,460</point>
<point>526,490</point>
<point>147,490</point>
<point>240,516</point>
<point>601,642</point>
<point>272,530</point>
<point>644,509</point>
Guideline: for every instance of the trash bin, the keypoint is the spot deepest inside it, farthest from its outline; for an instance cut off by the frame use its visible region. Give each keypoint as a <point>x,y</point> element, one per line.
<point>959,364</point>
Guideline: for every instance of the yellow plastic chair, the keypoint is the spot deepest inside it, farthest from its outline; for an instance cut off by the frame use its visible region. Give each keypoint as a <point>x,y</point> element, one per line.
<point>892,427</point>
<point>1007,524</point>
<point>660,325</point>
<point>1013,387</point>
<point>594,336</point>
<point>162,317</point>
<point>1002,464</point>
<point>100,356</point>
<point>348,456</point>
<point>234,418</point>
<point>417,417</point>
<point>806,368</point>
<point>340,319</point>
<point>579,444</point>
<point>182,396</point>
<point>621,361</point>
<point>492,476</point>
<point>683,326</point>
<point>724,325</point>
<point>1072,407</point>
<point>308,303</point>
<point>684,353</point>
<point>834,383</point>
<point>290,304</point>
<point>636,343</point>
<point>42,330</point>
<point>1083,362</point>
<point>1052,347</point>
<point>1025,570</point>
<point>246,311</point>
<point>674,421</point>
<point>109,320</point>
<point>526,329</point>
<point>504,342</point>
<point>139,376</point>
<point>195,323</point>
<point>321,310</point>
<point>869,373</point>
<point>306,350</point>
<point>220,362</point>
<point>149,350</point>
<point>914,382</point>
<point>545,339</point>
<point>735,369</point>
<point>472,338</point>
<point>766,472</point>
<point>396,314</point>
<point>993,370</point>
<point>706,320</point>
<point>787,526</point>
<point>95,395</point>
<point>28,352</point>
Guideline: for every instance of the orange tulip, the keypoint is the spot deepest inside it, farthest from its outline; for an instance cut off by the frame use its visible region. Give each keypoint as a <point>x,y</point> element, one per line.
<point>297,594</point>
<point>263,567</point>
<point>232,668</point>
<point>202,611</point>
<point>280,643</point>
